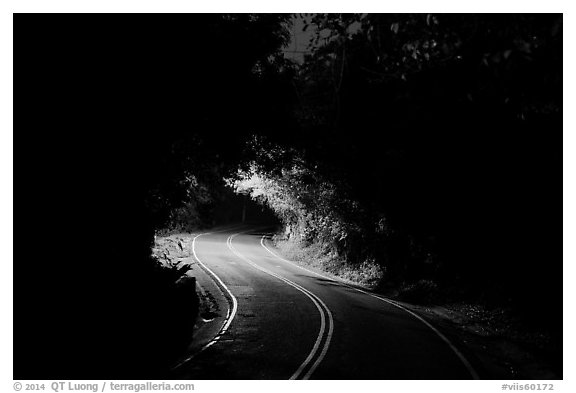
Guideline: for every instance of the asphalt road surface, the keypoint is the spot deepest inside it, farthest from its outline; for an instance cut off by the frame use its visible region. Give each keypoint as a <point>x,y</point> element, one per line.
<point>285,322</point>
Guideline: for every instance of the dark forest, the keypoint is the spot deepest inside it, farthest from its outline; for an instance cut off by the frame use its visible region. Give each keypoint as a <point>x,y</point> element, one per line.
<point>420,154</point>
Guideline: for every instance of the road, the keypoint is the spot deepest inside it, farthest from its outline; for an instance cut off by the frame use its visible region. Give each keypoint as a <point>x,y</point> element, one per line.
<point>285,322</point>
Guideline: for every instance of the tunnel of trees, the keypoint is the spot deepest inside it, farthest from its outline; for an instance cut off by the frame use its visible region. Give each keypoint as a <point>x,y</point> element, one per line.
<point>428,146</point>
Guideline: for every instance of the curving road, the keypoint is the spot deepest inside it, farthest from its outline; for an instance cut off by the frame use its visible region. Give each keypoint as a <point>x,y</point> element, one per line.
<point>286,322</point>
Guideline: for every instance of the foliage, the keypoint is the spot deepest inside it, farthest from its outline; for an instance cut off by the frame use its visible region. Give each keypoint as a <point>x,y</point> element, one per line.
<point>310,206</point>
<point>378,49</point>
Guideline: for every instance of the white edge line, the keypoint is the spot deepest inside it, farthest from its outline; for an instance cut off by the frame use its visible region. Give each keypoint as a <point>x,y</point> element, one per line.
<point>229,315</point>
<point>316,302</point>
<point>459,354</point>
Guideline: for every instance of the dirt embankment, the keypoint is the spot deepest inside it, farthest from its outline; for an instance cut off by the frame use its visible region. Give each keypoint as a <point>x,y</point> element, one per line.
<point>172,254</point>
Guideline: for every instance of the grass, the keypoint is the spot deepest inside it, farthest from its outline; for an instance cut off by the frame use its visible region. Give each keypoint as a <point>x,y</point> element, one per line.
<point>318,256</point>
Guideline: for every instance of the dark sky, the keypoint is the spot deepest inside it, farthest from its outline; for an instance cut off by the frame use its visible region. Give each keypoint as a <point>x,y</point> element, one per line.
<point>300,39</point>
